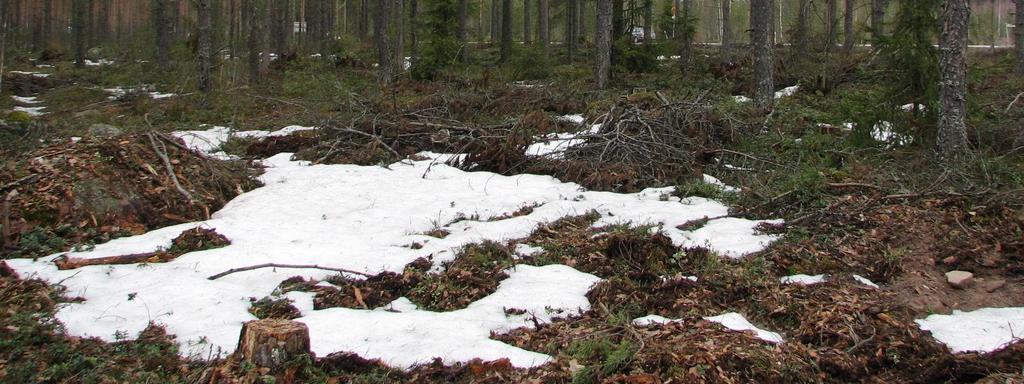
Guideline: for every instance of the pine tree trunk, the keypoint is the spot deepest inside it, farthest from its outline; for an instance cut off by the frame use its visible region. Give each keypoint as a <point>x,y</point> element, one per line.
<point>205,48</point>
<point>385,64</point>
<point>398,58</point>
<point>686,41</point>
<point>618,19</point>
<point>603,39</point>
<point>160,29</point>
<point>648,21</point>
<point>527,38</point>
<point>1018,34</point>
<point>760,20</point>
<point>462,31</point>
<point>803,29</point>
<point>570,28</point>
<point>254,12</point>
<point>495,21</point>
<point>831,17</point>
<point>581,26</point>
<point>79,29</point>
<point>952,138</point>
<point>364,19</point>
<point>848,35</point>
<point>414,15</point>
<point>48,23</point>
<point>727,30</point>
<point>506,30</point>
<point>542,27</point>
<point>878,18</point>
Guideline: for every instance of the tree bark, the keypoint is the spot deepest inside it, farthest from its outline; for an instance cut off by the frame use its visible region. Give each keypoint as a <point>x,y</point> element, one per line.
<point>1018,34</point>
<point>878,18</point>
<point>462,31</point>
<point>160,29</point>
<point>414,16</point>
<point>726,30</point>
<point>618,19</point>
<point>255,12</point>
<point>506,30</point>
<point>398,58</point>
<point>831,24</point>
<point>527,38</point>
<point>542,27</point>
<point>273,344</point>
<point>803,28</point>
<point>952,135</point>
<point>571,41</point>
<point>648,21</point>
<point>760,20</point>
<point>385,64</point>
<point>205,48</point>
<point>686,41</point>
<point>603,39</point>
<point>848,34</point>
<point>495,22</point>
<point>78,25</point>
<point>364,19</point>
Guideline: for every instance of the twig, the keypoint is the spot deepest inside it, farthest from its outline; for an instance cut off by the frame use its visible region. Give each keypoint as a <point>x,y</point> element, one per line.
<point>16,183</point>
<point>375,137</point>
<point>275,265</point>
<point>169,167</point>
<point>854,185</point>
<point>1013,102</point>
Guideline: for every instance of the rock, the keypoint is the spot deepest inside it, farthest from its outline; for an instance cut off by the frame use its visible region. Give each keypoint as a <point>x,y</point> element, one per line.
<point>992,285</point>
<point>94,54</point>
<point>960,279</point>
<point>103,130</point>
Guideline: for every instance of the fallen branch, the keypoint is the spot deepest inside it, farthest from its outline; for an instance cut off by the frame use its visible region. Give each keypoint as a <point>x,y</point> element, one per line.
<point>275,265</point>
<point>64,262</point>
<point>854,185</point>
<point>375,137</point>
<point>169,167</point>
<point>19,182</point>
<point>1013,102</point>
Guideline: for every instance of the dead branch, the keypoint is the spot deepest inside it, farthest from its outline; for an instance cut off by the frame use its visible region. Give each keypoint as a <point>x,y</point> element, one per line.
<point>1008,107</point>
<point>294,266</point>
<point>169,167</point>
<point>64,262</point>
<point>19,182</point>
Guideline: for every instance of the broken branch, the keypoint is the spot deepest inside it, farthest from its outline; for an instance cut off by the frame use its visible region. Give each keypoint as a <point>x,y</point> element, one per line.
<point>294,266</point>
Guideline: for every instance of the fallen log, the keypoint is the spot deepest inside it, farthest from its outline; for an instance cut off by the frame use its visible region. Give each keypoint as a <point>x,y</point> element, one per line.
<point>65,262</point>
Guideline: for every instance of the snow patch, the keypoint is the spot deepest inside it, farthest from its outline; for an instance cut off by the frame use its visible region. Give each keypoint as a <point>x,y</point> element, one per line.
<point>802,279</point>
<point>33,74</point>
<point>984,330</point>
<point>787,92</point>
<point>26,100</point>
<point>732,320</point>
<point>31,111</point>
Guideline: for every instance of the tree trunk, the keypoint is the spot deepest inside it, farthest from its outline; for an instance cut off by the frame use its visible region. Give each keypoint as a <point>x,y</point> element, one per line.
<point>848,35</point>
<point>160,29</point>
<point>273,344</point>
<point>648,21</point>
<point>385,64</point>
<point>495,21</point>
<point>398,58</point>
<point>603,39</point>
<point>506,30</point>
<point>831,23</point>
<point>254,18</point>
<point>414,16</point>
<point>878,18</point>
<point>618,19</point>
<point>364,19</point>
<point>803,29</point>
<point>462,31</point>
<point>956,15</point>
<point>727,30</point>
<point>686,41</point>
<point>527,38</point>
<point>542,27</point>
<point>760,20</point>
<point>78,25</point>
<point>279,26</point>
<point>571,41</point>
<point>581,26</point>
<point>205,48</point>
<point>1018,34</point>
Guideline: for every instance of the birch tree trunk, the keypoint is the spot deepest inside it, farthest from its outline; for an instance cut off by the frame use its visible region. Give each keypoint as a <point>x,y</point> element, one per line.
<point>205,48</point>
<point>506,30</point>
<point>952,137</point>
<point>603,39</point>
<point>760,20</point>
<point>542,27</point>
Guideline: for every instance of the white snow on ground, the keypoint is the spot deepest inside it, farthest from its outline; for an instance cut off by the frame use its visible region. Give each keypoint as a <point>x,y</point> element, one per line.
<point>31,111</point>
<point>983,330</point>
<point>575,119</point>
<point>741,99</point>
<point>525,250</point>
<point>737,322</point>
<point>802,279</point>
<point>732,320</point>
<point>210,140</point>
<point>910,107</point>
<point>97,63</point>
<point>787,92</point>
<point>26,100</point>
<point>118,92</point>
<point>884,132</point>
<point>363,218</point>
<point>554,145</point>
<point>545,292</point>
<point>865,281</point>
<point>33,74</point>
<point>718,183</point>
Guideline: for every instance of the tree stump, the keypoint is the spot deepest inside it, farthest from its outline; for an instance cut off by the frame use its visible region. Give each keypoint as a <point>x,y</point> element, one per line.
<point>272,344</point>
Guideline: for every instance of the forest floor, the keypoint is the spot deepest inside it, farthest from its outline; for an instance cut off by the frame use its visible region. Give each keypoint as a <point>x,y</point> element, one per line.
<point>506,225</point>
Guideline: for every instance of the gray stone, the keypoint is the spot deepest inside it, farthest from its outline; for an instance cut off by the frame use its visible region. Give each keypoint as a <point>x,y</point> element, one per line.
<point>960,279</point>
<point>94,54</point>
<point>103,130</point>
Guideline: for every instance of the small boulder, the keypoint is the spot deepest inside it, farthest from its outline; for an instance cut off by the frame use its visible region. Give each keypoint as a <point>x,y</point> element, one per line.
<point>960,279</point>
<point>104,130</point>
<point>94,53</point>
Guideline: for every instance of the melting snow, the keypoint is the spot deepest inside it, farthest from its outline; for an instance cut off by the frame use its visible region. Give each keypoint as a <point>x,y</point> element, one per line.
<point>732,320</point>
<point>118,92</point>
<point>554,145</point>
<point>26,100</point>
<point>33,74</point>
<point>787,92</point>
<point>31,111</point>
<point>983,330</point>
<point>803,279</point>
<point>362,218</point>
<point>209,141</point>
